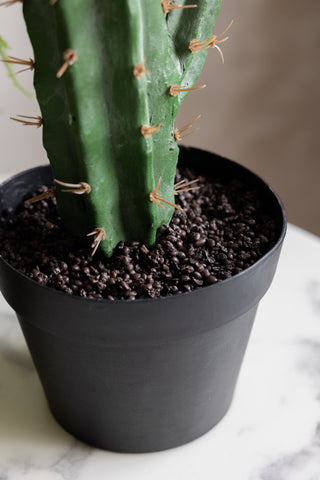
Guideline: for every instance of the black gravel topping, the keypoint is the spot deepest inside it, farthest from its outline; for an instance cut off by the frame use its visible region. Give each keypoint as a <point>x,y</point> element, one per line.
<point>221,231</point>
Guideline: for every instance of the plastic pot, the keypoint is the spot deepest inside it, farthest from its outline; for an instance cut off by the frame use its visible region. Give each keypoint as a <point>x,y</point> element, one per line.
<point>142,375</point>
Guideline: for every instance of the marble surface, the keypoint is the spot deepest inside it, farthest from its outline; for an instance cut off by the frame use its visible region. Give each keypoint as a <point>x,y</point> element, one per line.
<point>272,431</point>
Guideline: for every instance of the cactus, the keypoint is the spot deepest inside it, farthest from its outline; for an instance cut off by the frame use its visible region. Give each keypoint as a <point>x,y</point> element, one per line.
<point>110,76</point>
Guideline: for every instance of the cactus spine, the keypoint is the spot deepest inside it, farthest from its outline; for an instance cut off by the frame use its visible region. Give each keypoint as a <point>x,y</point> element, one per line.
<point>110,76</point>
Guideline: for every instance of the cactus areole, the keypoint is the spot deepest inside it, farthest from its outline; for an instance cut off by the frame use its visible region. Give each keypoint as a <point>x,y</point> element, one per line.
<point>110,76</point>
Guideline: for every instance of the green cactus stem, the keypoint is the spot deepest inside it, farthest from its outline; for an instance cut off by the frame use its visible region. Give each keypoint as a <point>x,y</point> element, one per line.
<point>110,76</point>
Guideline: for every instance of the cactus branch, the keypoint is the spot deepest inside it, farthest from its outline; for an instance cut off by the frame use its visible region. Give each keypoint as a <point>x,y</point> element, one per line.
<point>167,7</point>
<point>99,236</point>
<point>190,24</point>
<point>70,56</point>
<point>76,188</point>
<point>179,131</point>
<point>29,120</point>
<point>101,121</point>
<point>18,61</point>
<point>155,197</point>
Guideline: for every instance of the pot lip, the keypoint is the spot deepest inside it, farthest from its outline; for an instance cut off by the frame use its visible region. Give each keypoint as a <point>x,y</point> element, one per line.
<point>197,291</point>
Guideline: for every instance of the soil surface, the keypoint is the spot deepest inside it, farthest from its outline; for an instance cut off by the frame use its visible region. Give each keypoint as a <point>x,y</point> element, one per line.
<point>221,231</point>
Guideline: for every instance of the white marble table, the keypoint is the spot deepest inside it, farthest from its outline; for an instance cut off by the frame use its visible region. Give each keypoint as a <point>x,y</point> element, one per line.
<point>272,431</point>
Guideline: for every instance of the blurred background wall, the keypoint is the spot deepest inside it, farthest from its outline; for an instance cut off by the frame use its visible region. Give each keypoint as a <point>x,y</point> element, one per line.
<point>261,108</point>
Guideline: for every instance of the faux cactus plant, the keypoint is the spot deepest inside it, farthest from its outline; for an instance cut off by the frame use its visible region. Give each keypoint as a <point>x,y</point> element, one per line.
<point>110,76</point>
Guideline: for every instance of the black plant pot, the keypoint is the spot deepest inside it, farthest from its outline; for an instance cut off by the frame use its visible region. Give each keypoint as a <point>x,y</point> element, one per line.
<point>143,375</point>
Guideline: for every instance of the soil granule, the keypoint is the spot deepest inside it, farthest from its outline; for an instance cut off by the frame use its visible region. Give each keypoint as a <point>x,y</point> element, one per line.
<point>221,231</point>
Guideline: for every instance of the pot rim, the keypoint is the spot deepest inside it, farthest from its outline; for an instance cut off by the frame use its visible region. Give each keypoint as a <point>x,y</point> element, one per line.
<point>243,273</point>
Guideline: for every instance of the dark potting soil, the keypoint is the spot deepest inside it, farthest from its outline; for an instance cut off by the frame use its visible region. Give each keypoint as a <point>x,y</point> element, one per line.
<point>221,231</point>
